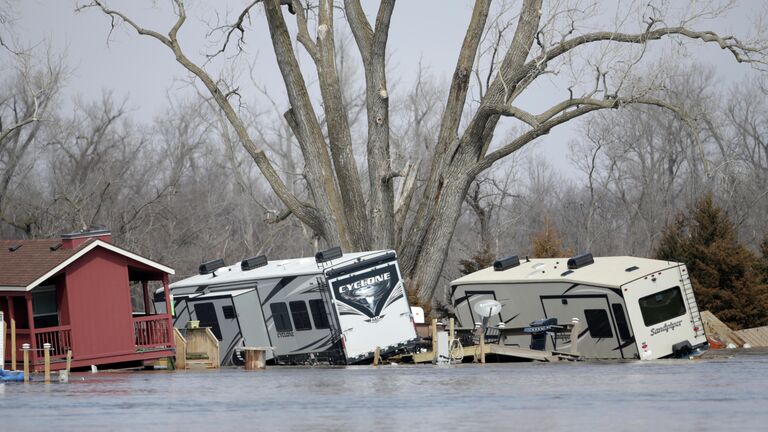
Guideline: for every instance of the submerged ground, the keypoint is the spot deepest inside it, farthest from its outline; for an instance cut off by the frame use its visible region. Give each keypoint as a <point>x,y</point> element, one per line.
<point>724,390</point>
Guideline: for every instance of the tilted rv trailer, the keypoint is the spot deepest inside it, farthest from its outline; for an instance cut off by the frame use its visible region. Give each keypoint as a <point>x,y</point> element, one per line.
<point>627,307</point>
<point>332,308</point>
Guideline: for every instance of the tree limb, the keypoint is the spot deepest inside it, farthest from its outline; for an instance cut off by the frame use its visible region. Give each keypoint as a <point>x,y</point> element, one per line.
<point>361,28</point>
<point>559,114</point>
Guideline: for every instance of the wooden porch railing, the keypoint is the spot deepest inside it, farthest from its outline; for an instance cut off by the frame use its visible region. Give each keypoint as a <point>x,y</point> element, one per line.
<point>60,339</point>
<point>152,332</point>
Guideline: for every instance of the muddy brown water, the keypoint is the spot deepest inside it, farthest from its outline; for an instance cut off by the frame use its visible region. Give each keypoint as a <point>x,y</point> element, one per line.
<point>726,391</point>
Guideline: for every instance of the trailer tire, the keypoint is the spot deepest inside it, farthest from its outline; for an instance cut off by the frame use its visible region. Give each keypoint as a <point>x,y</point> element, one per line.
<point>682,349</point>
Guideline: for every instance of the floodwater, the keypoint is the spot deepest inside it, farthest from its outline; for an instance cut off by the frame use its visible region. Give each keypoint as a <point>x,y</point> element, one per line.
<point>724,393</point>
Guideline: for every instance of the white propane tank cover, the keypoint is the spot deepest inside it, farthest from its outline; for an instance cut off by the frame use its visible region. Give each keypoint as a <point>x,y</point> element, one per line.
<point>486,308</point>
<point>418,314</point>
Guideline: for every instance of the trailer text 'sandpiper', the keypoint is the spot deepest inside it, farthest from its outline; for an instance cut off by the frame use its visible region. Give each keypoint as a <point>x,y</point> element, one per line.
<point>628,307</point>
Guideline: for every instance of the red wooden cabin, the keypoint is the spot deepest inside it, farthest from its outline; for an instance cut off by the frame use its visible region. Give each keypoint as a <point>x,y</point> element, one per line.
<point>75,293</point>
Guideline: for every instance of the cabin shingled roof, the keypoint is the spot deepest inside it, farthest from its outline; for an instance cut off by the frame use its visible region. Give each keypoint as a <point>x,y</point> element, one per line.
<point>22,266</point>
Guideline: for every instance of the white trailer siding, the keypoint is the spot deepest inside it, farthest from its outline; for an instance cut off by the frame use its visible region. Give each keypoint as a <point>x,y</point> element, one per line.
<point>604,296</point>
<point>287,304</point>
<point>373,310</point>
<point>674,322</point>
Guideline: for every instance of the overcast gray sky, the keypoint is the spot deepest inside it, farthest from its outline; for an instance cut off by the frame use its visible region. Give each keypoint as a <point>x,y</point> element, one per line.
<point>143,70</point>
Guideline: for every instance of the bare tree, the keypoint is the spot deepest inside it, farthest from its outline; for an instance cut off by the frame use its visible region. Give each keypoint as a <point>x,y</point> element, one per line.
<point>25,103</point>
<point>541,41</point>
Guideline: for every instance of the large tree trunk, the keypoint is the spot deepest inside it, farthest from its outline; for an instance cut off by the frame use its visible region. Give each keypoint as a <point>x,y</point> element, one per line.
<point>437,239</point>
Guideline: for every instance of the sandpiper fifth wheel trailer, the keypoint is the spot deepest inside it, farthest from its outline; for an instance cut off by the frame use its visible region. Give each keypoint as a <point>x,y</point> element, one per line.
<point>626,307</point>
<point>334,308</point>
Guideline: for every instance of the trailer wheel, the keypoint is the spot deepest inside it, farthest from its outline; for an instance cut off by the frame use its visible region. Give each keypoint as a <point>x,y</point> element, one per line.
<point>238,358</point>
<point>682,349</point>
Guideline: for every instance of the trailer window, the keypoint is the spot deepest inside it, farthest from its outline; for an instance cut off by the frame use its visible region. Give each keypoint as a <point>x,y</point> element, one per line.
<point>598,323</point>
<point>662,306</point>
<point>229,312</point>
<point>300,315</point>
<point>319,315</point>
<point>280,317</point>
<point>621,321</point>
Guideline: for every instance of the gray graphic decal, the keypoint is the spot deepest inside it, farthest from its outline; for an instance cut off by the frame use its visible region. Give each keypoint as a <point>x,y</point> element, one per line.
<point>367,292</point>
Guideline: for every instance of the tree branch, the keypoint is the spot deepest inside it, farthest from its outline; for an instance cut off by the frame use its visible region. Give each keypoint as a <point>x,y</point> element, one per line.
<point>303,32</point>
<point>518,113</point>
<point>560,114</point>
<point>361,28</point>
<point>236,26</point>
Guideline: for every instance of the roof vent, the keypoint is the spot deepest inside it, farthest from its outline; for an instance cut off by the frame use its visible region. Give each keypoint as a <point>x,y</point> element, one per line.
<point>14,248</point>
<point>506,263</point>
<point>55,247</point>
<point>328,254</point>
<point>631,269</point>
<point>253,262</point>
<point>211,266</point>
<point>580,261</point>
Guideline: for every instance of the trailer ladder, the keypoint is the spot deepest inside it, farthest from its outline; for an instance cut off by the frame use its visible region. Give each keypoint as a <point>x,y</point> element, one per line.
<point>333,322</point>
<point>690,300</point>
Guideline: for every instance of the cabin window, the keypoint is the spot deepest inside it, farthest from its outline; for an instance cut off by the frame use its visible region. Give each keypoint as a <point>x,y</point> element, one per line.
<point>206,314</point>
<point>319,315</point>
<point>662,306</point>
<point>621,321</point>
<point>229,312</point>
<point>44,307</point>
<point>598,323</point>
<point>280,317</point>
<point>300,315</point>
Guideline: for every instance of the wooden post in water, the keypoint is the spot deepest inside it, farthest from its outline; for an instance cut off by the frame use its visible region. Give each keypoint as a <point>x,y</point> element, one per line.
<point>47,362</point>
<point>377,356</point>
<point>13,343</point>
<point>482,346</point>
<point>69,360</point>
<point>255,358</point>
<point>434,336</point>
<point>25,348</point>
<point>2,341</point>
<point>450,330</point>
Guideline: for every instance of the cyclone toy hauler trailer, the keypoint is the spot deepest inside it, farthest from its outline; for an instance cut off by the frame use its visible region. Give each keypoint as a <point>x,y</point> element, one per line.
<point>626,307</point>
<point>334,308</point>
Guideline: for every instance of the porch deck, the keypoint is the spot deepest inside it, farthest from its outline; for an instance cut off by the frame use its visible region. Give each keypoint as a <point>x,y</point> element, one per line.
<point>153,339</point>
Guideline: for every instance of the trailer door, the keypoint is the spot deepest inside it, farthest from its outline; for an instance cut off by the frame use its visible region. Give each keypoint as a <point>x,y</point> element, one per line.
<point>217,311</point>
<point>599,335</point>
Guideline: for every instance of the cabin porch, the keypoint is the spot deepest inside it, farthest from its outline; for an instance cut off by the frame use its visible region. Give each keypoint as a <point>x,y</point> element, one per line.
<point>49,314</point>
